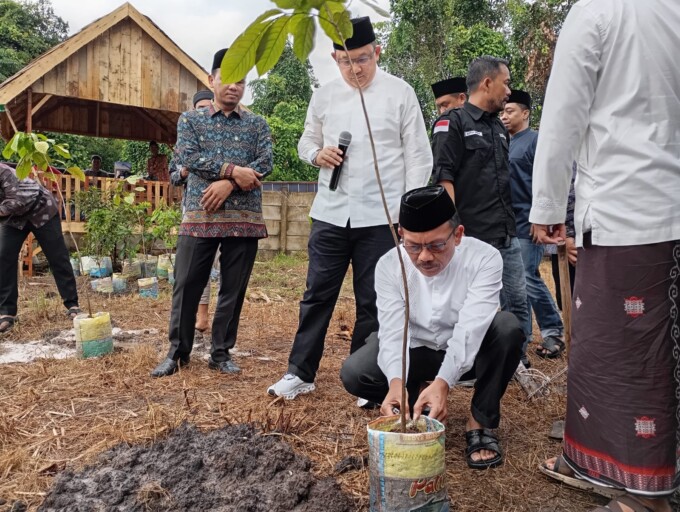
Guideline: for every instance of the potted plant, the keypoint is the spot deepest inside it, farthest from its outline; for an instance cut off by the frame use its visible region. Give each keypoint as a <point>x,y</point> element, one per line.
<point>93,332</point>
<point>164,221</point>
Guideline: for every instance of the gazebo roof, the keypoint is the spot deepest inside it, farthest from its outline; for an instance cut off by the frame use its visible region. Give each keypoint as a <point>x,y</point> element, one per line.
<point>121,76</point>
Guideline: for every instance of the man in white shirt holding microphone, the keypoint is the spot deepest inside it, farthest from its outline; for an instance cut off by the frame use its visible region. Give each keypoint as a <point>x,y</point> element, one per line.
<point>349,223</point>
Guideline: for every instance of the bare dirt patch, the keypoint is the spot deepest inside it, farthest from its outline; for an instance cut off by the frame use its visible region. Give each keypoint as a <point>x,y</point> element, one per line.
<point>232,468</point>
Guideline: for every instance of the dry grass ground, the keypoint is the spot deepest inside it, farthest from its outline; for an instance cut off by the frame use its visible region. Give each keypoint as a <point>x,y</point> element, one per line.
<point>55,414</point>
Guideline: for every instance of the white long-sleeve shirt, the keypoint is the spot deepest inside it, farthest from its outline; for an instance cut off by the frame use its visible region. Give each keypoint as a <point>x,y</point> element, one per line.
<point>613,104</point>
<point>402,146</point>
<point>450,311</point>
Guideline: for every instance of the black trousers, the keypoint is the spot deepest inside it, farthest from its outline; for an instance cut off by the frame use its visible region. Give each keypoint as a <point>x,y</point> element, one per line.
<point>331,250</point>
<point>193,262</point>
<point>494,366</point>
<point>556,277</point>
<point>51,239</point>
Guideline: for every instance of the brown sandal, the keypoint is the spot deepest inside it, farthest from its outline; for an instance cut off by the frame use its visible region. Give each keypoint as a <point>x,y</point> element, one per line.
<point>563,473</point>
<point>630,501</point>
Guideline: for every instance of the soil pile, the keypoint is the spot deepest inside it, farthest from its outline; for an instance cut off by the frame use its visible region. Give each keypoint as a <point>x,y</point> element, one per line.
<point>229,469</point>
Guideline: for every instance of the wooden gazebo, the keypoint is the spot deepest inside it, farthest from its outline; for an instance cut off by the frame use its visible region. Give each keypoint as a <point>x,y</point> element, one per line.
<point>120,76</point>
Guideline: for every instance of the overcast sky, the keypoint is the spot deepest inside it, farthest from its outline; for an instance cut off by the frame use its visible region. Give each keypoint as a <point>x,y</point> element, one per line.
<point>201,27</point>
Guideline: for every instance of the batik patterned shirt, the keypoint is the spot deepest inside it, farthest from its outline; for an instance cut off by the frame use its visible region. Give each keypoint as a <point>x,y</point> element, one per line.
<point>24,201</point>
<point>207,142</point>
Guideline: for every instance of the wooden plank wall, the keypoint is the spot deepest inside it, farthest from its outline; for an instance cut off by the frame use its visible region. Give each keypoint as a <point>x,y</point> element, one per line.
<point>126,66</point>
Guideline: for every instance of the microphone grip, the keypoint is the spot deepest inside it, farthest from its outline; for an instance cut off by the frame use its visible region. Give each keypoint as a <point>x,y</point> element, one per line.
<point>335,177</point>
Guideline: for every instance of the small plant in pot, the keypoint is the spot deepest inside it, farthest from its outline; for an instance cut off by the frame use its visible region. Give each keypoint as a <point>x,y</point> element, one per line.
<point>148,283</point>
<point>93,332</point>
<point>165,221</point>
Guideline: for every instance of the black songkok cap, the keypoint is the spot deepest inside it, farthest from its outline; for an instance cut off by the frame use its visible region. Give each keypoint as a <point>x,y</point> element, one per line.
<point>454,85</point>
<point>426,208</point>
<point>217,60</point>
<point>517,96</point>
<point>361,36</point>
<point>205,94</point>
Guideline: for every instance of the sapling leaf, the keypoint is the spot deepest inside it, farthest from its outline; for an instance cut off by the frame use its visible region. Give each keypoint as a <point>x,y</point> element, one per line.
<point>77,172</point>
<point>271,45</point>
<point>303,37</point>
<point>241,56</point>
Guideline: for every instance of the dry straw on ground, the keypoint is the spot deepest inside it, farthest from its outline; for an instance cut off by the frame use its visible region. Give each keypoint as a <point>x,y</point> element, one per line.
<point>57,414</point>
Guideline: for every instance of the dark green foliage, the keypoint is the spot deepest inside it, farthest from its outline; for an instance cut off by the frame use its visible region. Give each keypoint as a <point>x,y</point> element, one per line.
<point>27,30</point>
<point>282,98</point>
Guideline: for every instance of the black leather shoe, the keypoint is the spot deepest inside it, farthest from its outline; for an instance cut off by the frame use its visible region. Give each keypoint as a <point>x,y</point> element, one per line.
<point>168,367</point>
<point>227,366</point>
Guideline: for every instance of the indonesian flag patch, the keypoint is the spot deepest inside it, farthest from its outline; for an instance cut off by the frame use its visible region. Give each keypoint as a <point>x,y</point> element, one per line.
<point>441,126</point>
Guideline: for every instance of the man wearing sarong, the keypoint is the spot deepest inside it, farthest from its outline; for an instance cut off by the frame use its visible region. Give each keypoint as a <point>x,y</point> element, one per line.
<point>613,103</point>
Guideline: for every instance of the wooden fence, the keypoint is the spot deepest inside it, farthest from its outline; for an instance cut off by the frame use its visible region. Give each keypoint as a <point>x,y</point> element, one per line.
<point>286,213</point>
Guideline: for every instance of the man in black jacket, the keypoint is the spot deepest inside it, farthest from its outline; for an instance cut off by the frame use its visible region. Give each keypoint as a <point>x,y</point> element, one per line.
<point>470,150</point>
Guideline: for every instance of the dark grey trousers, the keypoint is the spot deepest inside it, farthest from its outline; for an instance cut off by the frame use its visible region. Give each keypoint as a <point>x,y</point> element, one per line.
<point>494,366</point>
<point>193,262</point>
<point>51,240</point>
<point>331,250</point>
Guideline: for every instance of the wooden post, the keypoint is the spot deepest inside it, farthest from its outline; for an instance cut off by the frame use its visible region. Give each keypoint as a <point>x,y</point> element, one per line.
<point>565,291</point>
<point>283,229</point>
<point>29,110</point>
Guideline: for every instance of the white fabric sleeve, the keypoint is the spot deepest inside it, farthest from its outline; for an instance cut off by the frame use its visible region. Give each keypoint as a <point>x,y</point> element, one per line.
<point>474,318</point>
<point>312,136</point>
<point>415,143</point>
<point>565,117</point>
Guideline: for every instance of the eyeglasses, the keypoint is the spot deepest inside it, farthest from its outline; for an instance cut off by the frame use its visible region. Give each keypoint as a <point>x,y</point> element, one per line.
<point>361,61</point>
<point>434,248</point>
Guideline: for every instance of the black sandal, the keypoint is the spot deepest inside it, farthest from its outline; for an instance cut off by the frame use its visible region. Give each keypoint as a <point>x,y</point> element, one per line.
<point>73,312</point>
<point>9,320</point>
<point>551,347</point>
<point>482,439</point>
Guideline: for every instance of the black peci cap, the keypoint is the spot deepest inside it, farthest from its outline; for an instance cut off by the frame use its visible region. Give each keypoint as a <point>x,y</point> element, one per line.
<point>522,97</point>
<point>454,85</point>
<point>361,36</point>
<point>217,59</point>
<point>205,94</point>
<point>425,208</point>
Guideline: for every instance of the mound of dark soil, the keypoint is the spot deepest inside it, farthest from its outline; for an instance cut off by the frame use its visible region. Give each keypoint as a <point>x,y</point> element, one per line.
<point>231,469</point>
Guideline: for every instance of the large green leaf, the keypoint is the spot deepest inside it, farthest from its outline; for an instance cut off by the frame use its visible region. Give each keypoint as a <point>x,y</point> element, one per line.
<point>11,147</point>
<point>271,46</point>
<point>335,21</point>
<point>23,168</point>
<point>241,56</point>
<point>62,151</point>
<point>303,36</point>
<point>77,172</point>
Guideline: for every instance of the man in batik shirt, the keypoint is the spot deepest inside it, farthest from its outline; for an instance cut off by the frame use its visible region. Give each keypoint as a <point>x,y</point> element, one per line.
<point>227,150</point>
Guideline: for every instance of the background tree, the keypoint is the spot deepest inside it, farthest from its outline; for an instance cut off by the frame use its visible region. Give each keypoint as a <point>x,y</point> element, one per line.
<point>429,40</point>
<point>282,98</point>
<point>27,30</point>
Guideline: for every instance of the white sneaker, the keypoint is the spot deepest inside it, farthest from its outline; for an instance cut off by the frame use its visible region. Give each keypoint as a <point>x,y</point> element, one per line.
<point>291,386</point>
<point>367,404</point>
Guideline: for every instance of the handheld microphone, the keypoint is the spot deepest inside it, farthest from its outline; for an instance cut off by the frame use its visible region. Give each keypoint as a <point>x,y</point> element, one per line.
<point>343,143</point>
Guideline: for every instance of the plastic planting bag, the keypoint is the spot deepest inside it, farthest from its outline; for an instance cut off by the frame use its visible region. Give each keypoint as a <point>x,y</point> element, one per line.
<point>407,471</point>
<point>93,335</point>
